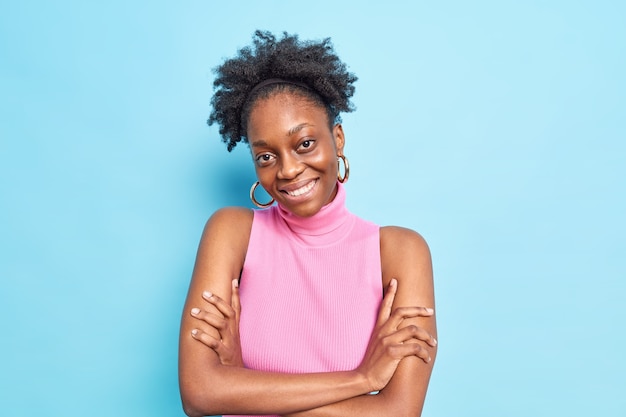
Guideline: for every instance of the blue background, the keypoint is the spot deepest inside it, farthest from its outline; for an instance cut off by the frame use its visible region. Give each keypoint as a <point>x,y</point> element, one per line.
<point>494,128</point>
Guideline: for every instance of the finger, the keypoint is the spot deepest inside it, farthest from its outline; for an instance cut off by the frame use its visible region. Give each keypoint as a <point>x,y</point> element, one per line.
<point>212,320</point>
<point>409,349</point>
<point>413,311</point>
<point>402,313</point>
<point>220,304</point>
<point>205,338</point>
<point>234,298</point>
<point>385,307</point>
<point>412,333</point>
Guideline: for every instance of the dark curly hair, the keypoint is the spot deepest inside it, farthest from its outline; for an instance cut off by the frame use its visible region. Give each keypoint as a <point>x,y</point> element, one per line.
<point>312,63</point>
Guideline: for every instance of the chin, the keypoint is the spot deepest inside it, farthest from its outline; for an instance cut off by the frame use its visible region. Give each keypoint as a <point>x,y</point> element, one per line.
<point>303,211</point>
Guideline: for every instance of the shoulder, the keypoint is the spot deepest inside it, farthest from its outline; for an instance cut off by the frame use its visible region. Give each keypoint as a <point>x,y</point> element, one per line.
<point>404,253</point>
<point>230,226</point>
<point>231,216</point>
<point>394,239</point>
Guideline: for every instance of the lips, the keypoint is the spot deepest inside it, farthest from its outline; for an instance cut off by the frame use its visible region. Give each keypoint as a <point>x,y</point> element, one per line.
<point>299,190</point>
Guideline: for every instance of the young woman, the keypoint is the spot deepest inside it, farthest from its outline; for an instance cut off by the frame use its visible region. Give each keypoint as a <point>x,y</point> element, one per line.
<point>285,313</point>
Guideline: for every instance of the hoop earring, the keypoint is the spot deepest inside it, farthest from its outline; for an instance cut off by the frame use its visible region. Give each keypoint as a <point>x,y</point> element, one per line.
<point>346,169</point>
<point>256,203</point>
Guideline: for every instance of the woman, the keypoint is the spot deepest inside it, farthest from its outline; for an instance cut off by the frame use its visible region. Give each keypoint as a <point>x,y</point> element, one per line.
<point>285,313</point>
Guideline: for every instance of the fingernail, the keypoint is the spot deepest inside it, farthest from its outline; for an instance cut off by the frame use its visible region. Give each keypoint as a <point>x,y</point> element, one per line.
<point>236,283</point>
<point>429,310</point>
<point>194,332</point>
<point>195,310</point>
<point>434,341</point>
<point>393,282</point>
<point>429,359</point>
<point>207,294</point>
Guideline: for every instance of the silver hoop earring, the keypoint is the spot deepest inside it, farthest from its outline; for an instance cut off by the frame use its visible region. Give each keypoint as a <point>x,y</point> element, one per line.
<point>256,203</point>
<point>346,169</point>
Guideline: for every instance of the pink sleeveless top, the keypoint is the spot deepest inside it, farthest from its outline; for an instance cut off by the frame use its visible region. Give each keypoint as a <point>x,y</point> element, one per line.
<point>310,290</point>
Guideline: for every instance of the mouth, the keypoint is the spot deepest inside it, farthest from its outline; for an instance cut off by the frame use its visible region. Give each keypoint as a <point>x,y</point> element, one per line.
<point>300,190</point>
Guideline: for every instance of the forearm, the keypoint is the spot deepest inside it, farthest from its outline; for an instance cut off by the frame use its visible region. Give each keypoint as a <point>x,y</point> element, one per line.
<point>231,390</point>
<point>379,405</point>
<point>403,396</point>
<point>362,406</point>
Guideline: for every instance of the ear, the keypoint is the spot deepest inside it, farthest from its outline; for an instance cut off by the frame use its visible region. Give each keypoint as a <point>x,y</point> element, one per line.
<point>340,139</point>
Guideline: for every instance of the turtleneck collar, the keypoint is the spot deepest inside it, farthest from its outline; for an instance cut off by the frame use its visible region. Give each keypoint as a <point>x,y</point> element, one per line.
<point>324,227</point>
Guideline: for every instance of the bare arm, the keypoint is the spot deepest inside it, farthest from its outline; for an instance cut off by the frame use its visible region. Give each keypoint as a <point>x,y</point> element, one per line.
<point>208,387</point>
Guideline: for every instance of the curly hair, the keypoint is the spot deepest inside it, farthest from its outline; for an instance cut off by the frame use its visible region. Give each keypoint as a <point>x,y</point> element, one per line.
<point>312,63</point>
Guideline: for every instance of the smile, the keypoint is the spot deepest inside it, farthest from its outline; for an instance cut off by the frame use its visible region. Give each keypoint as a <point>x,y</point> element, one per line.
<point>302,190</point>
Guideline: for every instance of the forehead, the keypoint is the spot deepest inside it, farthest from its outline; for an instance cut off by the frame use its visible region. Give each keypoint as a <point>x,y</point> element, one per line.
<point>279,113</point>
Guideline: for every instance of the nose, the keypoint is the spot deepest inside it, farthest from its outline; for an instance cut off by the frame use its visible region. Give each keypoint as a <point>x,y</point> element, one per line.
<point>290,167</point>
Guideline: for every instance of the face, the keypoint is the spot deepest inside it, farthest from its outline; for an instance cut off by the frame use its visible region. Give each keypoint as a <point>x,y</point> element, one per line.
<point>295,152</point>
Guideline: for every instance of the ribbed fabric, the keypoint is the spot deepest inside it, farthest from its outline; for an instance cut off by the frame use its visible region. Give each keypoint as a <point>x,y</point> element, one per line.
<point>310,290</point>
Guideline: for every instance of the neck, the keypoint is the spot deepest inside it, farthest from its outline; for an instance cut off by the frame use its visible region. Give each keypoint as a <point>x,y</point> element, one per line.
<point>323,226</point>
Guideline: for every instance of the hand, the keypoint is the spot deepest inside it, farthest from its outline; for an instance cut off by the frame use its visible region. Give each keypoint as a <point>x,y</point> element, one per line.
<point>390,343</point>
<point>228,347</point>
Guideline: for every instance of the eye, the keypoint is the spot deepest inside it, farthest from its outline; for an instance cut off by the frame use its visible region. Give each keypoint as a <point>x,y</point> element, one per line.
<point>264,159</point>
<point>307,144</point>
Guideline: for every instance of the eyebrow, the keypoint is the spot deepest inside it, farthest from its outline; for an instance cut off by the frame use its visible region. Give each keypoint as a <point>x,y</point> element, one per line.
<point>298,128</point>
<point>290,132</point>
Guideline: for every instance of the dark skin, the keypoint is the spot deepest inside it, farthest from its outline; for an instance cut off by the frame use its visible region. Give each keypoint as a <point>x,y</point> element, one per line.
<point>295,154</point>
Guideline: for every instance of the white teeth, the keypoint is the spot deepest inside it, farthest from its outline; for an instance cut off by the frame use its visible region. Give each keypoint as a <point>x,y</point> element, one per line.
<point>302,190</point>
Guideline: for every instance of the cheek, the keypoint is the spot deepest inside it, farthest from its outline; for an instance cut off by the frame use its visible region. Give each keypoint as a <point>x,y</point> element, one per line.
<point>326,158</point>
<point>320,163</point>
<point>265,176</point>
<point>331,163</point>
